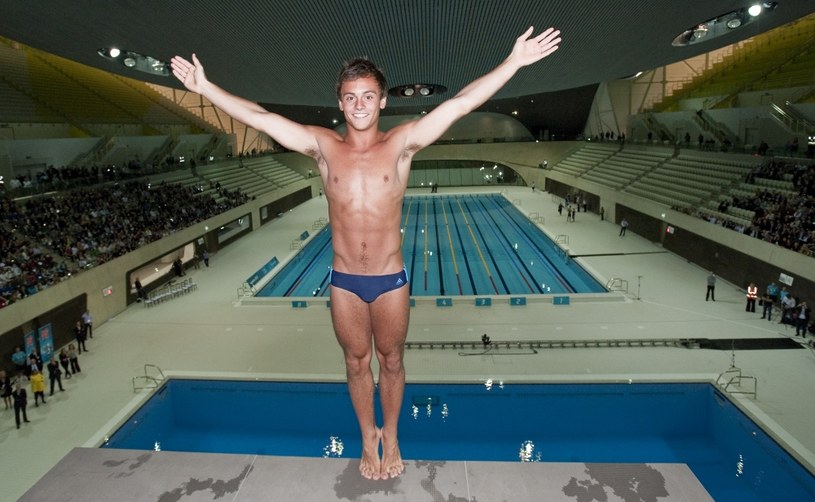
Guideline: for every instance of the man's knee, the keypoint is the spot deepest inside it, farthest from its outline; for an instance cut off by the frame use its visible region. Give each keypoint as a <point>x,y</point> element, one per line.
<point>391,362</point>
<point>357,363</point>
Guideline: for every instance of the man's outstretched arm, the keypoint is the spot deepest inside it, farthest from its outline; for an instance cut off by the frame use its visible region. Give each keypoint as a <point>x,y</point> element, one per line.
<point>526,51</point>
<point>288,133</point>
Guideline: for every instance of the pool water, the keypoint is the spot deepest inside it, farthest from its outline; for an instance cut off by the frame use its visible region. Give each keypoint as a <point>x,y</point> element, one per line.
<point>691,423</point>
<point>456,245</point>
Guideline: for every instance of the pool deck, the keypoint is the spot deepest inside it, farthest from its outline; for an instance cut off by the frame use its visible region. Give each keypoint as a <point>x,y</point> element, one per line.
<point>93,474</point>
<point>210,331</point>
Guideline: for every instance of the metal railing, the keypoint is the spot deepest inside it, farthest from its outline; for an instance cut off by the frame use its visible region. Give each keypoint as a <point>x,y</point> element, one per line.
<point>732,381</point>
<point>152,378</point>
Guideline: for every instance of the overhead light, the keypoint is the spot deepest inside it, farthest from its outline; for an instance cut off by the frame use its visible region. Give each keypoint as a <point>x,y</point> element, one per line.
<point>416,90</point>
<point>722,25</point>
<point>733,23</point>
<point>135,61</point>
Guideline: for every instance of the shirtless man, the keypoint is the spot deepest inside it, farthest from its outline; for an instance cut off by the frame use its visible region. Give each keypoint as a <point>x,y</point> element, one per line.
<point>365,174</point>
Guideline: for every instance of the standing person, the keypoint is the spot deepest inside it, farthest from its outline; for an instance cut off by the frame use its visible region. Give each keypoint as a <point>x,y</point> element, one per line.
<point>34,363</point>
<point>623,227</point>
<point>802,322</point>
<point>752,295</point>
<point>602,213</point>
<point>140,294</point>
<point>205,255</point>
<point>711,287</point>
<point>20,360</point>
<point>37,387</point>
<point>54,375</point>
<point>79,334</point>
<point>65,362</point>
<point>6,389</point>
<point>767,303</point>
<point>73,358</point>
<point>87,320</point>
<point>20,403</point>
<point>365,174</point>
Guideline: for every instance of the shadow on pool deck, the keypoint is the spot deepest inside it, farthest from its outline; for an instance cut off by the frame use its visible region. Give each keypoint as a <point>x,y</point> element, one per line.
<point>92,474</point>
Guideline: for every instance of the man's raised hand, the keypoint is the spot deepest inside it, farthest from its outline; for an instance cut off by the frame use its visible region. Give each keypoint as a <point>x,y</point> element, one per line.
<point>531,50</point>
<point>190,74</point>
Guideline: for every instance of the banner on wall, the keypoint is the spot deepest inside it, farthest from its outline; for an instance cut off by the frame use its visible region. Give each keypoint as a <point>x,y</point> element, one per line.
<point>29,344</point>
<point>46,343</point>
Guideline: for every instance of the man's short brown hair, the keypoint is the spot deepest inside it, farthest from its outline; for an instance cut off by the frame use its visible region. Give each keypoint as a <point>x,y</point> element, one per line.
<point>360,68</point>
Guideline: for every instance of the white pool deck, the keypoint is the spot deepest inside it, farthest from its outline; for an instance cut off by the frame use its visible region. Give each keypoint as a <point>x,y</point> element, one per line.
<point>210,331</point>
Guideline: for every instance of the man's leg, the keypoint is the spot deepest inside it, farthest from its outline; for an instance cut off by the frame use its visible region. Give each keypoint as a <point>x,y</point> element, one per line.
<point>389,319</point>
<point>352,327</point>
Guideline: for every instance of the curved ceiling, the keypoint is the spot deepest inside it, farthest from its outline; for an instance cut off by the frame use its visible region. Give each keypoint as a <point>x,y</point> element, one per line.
<point>287,53</point>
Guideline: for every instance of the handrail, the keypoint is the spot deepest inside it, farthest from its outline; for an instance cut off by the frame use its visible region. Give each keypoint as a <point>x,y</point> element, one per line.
<point>734,378</point>
<point>554,344</point>
<point>617,284</point>
<point>148,381</point>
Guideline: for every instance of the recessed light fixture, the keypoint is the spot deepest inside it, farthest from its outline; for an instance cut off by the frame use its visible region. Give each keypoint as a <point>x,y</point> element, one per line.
<point>723,24</point>
<point>416,90</point>
<point>135,61</point>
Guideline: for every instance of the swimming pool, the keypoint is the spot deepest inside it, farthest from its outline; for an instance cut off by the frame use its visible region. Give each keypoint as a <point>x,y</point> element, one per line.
<point>457,245</point>
<point>691,423</point>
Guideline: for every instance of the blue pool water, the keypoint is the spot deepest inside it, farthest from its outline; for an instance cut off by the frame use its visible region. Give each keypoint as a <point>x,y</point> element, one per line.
<point>458,245</point>
<point>690,423</point>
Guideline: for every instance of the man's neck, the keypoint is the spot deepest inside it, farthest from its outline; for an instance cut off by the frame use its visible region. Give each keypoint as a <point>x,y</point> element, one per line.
<point>363,139</point>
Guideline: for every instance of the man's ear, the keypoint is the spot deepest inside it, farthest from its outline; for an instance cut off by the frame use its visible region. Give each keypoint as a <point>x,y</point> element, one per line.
<point>382,102</point>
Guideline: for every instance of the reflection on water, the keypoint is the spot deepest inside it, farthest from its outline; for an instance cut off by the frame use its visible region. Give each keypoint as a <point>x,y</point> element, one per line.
<point>527,452</point>
<point>334,448</point>
<point>490,382</point>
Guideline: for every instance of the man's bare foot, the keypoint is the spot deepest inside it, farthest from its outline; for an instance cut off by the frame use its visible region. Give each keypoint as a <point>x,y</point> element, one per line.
<point>391,465</point>
<point>369,464</point>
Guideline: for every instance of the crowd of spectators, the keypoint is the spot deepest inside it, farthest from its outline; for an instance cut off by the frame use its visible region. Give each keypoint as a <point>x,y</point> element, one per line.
<point>47,239</point>
<point>67,177</point>
<point>785,218</point>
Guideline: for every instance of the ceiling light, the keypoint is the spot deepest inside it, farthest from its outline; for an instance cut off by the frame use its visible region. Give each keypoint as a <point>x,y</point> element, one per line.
<point>722,25</point>
<point>135,61</point>
<point>416,90</point>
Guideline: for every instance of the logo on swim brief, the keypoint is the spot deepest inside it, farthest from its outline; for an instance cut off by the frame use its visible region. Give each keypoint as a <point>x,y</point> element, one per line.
<point>399,281</point>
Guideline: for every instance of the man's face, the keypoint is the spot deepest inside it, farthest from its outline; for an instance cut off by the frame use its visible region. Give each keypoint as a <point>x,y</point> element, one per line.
<point>360,102</point>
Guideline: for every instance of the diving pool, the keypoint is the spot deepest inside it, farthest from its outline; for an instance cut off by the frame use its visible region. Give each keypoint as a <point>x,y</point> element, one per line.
<point>458,245</point>
<point>691,423</point>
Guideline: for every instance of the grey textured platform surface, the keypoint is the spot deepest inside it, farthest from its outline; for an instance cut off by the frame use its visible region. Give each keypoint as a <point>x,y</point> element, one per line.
<point>92,474</point>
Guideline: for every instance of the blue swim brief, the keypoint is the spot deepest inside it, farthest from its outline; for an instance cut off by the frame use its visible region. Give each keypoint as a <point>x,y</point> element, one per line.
<point>368,287</point>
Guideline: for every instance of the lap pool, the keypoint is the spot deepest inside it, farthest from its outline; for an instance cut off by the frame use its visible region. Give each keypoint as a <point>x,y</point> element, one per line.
<point>691,423</point>
<point>459,245</point>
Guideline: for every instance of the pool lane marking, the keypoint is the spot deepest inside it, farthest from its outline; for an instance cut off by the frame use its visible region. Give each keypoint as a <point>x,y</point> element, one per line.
<point>405,223</point>
<point>425,243</point>
<point>498,231</point>
<point>477,247</point>
<point>452,251</point>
